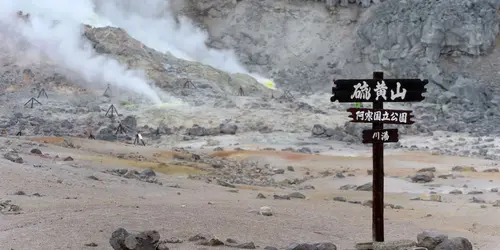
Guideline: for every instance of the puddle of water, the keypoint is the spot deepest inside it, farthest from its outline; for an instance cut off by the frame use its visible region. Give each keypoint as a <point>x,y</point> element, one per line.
<point>157,167</point>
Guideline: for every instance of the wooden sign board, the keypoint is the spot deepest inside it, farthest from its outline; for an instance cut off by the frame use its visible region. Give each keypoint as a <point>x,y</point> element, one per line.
<point>387,116</point>
<point>370,90</point>
<point>380,136</point>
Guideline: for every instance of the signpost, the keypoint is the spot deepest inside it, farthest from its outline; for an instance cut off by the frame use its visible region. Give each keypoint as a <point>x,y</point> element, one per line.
<point>377,91</point>
<point>380,136</point>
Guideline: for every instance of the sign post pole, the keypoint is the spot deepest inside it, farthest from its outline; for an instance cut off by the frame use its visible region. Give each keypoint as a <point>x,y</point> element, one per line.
<point>377,91</point>
<point>378,175</point>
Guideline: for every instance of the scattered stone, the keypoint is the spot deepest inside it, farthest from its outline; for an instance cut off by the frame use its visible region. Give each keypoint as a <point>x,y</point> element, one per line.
<point>340,198</point>
<point>225,184</point>
<point>266,211</point>
<point>6,207</point>
<point>174,241</point>
<point>13,157</point>
<point>423,170</point>
<point>92,244</point>
<point>279,171</point>
<point>198,237</point>
<point>340,175</point>
<point>365,187</point>
<point>147,175</point>
<point>281,197</point>
<point>398,244</point>
<point>162,245</point>
<point>218,149</point>
<point>463,169</point>
<point>247,245</point>
<point>93,178</point>
<point>423,177</point>
<point>491,170</point>
<point>36,151</point>
<point>475,192</point>
<point>477,200</point>
<point>348,187</point>
<point>318,130</point>
<point>431,197</point>
<point>20,193</point>
<point>297,195</point>
<point>117,239</point>
<point>69,158</point>
<point>456,191</point>
<point>228,128</point>
<point>212,242</point>
<point>445,176</point>
<point>315,246</point>
<point>270,248</point>
<point>231,241</point>
<point>430,239</point>
<point>307,187</point>
<point>458,243</point>
<point>367,203</point>
<point>305,150</point>
<point>369,171</point>
<point>494,190</point>
<point>260,196</point>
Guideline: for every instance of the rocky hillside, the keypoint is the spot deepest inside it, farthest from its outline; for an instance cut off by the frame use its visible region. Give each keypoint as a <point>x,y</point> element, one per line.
<point>451,42</point>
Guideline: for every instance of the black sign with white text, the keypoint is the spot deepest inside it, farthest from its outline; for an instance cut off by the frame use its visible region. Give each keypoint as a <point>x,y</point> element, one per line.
<point>387,116</point>
<point>380,136</point>
<point>369,90</point>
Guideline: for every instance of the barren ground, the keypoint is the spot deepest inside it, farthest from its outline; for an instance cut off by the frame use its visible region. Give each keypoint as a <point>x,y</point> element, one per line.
<point>74,210</point>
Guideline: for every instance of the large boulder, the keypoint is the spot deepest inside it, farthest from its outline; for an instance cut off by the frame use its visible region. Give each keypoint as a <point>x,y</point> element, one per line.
<point>123,240</point>
<point>228,128</point>
<point>430,240</point>
<point>458,243</point>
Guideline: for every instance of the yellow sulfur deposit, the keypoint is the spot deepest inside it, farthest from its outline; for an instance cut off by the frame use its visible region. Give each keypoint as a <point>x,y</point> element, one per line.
<point>269,84</point>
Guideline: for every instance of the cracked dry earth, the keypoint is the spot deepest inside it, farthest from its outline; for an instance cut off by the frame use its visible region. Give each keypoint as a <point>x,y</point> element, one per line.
<point>74,198</point>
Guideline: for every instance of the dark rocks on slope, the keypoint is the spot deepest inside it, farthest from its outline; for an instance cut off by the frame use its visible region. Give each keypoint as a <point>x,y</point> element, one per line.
<point>106,134</point>
<point>348,132</point>
<point>130,123</point>
<point>228,128</point>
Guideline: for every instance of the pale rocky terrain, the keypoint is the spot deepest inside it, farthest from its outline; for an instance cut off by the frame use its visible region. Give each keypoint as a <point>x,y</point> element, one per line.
<point>269,167</point>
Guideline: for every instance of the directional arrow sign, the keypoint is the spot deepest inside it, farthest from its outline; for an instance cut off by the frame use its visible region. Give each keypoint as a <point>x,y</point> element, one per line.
<point>380,136</point>
<point>387,116</point>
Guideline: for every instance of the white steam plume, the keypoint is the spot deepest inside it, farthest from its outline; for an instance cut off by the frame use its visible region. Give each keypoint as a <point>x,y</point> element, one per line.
<point>152,22</point>
<point>63,43</point>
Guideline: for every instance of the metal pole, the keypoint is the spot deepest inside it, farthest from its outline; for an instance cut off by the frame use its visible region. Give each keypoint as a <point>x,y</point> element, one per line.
<point>378,176</point>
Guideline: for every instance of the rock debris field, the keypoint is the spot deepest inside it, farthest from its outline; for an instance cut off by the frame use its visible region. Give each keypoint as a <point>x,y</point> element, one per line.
<point>226,163</point>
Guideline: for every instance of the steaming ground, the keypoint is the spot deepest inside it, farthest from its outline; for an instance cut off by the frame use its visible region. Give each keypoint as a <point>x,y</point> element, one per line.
<point>212,147</point>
